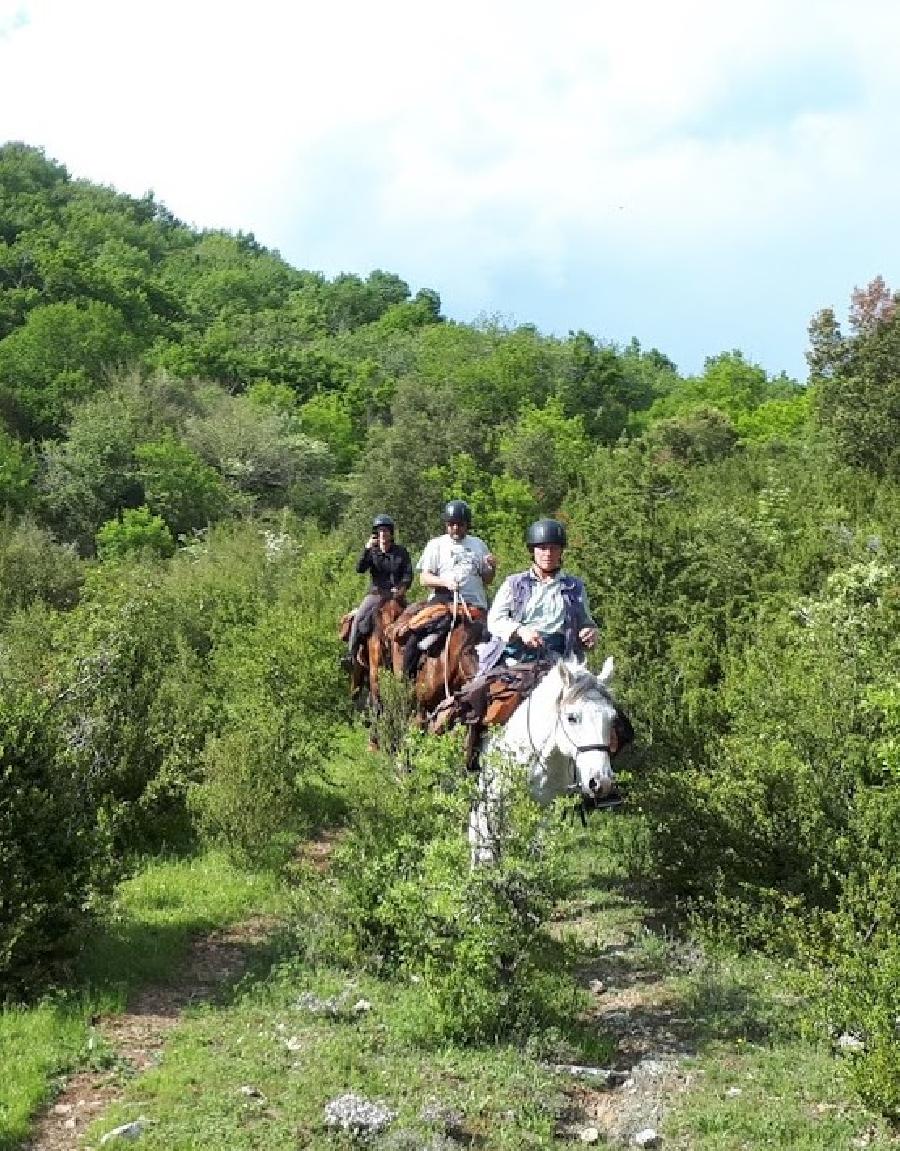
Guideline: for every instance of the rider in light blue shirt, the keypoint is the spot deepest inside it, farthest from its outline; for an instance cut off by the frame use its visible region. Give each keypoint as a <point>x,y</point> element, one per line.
<point>542,609</point>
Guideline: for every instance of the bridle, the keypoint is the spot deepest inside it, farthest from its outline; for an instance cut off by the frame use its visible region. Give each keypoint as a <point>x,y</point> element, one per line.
<point>574,787</point>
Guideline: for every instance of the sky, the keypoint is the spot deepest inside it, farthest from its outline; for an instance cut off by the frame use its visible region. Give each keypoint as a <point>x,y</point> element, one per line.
<point>702,175</point>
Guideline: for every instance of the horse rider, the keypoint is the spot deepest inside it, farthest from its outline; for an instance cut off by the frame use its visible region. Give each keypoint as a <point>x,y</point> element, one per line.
<point>454,567</point>
<point>391,576</point>
<point>457,564</point>
<point>539,610</point>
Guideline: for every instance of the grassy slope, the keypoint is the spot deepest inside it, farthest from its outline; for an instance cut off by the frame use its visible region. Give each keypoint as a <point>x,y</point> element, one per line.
<point>258,1068</point>
<point>143,937</point>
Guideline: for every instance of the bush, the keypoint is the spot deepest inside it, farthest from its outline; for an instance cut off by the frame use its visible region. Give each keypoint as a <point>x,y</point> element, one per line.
<point>34,567</point>
<point>136,530</point>
<point>53,857</point>
<point>277,692</point>
<point>474,939</point>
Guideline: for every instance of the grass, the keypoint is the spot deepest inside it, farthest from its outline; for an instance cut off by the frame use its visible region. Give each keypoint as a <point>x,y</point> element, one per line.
<point>258,1069</point>
<point>142,938</point>
<point>298,1060</point>
<point>763,1075</point>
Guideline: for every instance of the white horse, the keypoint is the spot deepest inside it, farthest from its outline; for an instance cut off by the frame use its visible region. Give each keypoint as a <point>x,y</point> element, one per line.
<point>562,735</point>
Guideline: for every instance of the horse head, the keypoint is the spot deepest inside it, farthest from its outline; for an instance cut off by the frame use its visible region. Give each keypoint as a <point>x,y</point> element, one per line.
<point>583,737</point>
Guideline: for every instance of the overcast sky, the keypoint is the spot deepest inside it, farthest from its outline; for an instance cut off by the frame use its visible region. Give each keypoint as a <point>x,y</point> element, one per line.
<point>703,175</point>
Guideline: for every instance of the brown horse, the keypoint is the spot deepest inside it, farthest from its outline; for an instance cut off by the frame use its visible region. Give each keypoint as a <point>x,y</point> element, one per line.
<point>454,662</point>
<point>374,653</point>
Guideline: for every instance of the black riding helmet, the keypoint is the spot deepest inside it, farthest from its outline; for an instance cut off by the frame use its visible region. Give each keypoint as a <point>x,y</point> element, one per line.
<point>457,511</point>
<point>546,532</point>
<point>382,521</point>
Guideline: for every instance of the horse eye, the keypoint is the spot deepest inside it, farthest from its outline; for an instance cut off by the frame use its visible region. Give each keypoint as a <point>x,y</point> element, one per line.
<point>574,717</point>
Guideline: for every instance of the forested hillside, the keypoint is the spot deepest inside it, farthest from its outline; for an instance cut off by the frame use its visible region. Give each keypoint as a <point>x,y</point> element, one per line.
<point>193,438</point>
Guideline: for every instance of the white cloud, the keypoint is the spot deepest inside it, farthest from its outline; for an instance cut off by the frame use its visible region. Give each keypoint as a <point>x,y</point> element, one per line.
<point>460,141</point>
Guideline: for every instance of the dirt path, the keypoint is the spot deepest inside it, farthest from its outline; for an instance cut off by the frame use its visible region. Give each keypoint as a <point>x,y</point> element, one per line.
<point>136,1037</point>
<point>638,1008</point>
<point>634,1002</point>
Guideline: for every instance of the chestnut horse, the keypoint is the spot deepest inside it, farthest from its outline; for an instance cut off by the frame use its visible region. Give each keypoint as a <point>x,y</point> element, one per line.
<point>375,653</point>
<point>453,664</point>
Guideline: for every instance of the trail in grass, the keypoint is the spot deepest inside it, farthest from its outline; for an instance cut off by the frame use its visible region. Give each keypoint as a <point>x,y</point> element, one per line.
<point>129,1042</point>
<point>135,1038</point>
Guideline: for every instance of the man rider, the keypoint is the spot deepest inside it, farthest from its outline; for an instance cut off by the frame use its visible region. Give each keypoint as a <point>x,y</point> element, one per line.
<point>457,562</point>
<point>454,568</point>
<point>542,609</point>
<point>391,576</point>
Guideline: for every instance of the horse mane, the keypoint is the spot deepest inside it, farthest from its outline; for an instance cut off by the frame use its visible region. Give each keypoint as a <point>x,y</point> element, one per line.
<point>584,684</point>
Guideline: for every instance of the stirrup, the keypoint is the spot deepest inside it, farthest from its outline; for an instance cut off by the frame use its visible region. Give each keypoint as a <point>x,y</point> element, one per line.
<point>611,801</point>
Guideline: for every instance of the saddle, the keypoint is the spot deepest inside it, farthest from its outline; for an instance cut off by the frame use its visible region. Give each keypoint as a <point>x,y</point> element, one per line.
<point>425,629</point>
<point>422,619</point>
<point>490,699</point>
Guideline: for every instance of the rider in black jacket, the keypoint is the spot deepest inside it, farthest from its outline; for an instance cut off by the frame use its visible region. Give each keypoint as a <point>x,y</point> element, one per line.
<point>391,575</point>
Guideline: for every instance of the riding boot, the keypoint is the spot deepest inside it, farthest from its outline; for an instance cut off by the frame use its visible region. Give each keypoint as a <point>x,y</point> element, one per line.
<point>350,656</point>
<point>411,656</point>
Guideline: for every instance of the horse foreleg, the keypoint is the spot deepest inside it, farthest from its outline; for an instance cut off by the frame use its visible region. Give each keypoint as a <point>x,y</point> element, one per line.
<point>484,840</point>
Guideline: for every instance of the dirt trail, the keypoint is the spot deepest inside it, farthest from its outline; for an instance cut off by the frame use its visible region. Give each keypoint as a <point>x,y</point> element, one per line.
<point>136,1037</point>
<point>635,1003</point>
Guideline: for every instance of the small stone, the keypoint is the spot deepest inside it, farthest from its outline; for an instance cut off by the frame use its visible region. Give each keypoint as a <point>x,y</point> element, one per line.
<point>590,1135</point>
<point>62,1108</point>
<point>293,1044</point>
<point>69,1124</point>
<point>848,1042</point>
<point>361,1007</point>
<point>252,1092</point>
<point>647,1138</point>
<point>127,1130</point>
<point>733,1092</point>
<point>358,1116</point>
<point>597,986</point>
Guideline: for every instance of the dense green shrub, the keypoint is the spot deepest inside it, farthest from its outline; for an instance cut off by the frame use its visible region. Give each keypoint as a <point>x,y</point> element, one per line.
<point>54,858</point>
<point>34,567</point>
<point>135,530</point>
<point>474,940</point>
<point>280,697</point>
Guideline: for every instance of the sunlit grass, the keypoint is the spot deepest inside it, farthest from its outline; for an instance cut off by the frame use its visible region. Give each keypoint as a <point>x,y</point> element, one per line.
<point>142,938</point>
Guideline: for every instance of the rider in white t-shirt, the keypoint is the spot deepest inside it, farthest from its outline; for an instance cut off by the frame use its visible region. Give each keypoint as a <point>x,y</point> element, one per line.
<point>457,562</point>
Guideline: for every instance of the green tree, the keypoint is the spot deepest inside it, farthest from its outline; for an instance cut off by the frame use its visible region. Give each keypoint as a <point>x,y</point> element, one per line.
<point>88,477</point>
<point>136,530</point>
<point>857,384</point>
<point>16,473</point>
<point>178,486</point>
<point>57,357</point>
<point>546,450</point>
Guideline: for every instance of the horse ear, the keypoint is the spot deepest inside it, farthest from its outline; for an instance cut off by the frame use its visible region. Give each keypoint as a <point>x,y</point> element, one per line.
<point>565,674</point>
<point>606,672</point>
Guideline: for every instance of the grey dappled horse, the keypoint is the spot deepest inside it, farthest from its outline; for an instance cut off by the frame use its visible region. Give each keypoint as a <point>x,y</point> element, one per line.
<point>562,736</point>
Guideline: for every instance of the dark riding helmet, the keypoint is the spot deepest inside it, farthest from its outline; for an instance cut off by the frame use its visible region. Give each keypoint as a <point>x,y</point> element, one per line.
<point>545,532</point>
<point>382,521</point>
<point>457,511</point>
